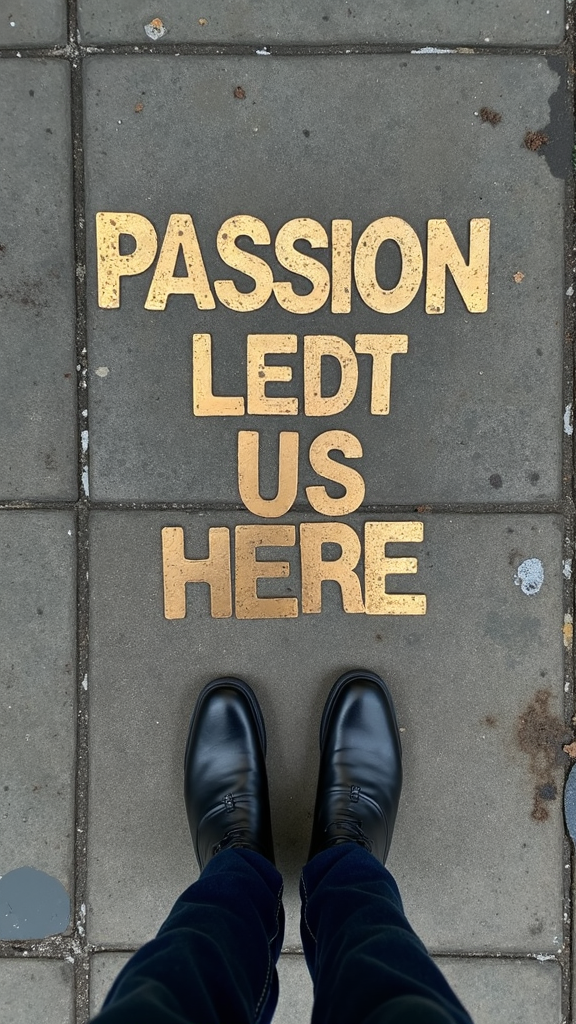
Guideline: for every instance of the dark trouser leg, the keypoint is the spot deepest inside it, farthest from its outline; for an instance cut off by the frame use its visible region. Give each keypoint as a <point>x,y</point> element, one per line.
<point>214,958</point>
<point>367,964</point>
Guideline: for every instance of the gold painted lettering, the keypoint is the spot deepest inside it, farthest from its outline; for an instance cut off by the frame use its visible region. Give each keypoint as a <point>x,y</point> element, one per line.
<point>111,264</point>
<point>179,570</point>
<point>204,402</point>
<point>249,473</point>
<point>246,262</point>
<point>249,571</point>
<point>316,346</point>
<point>315,570</point>
<point>302,264</point>
<point>259,373</point>
<point>341,301</point>
<point>180,235</point>
<point>381,347</point>
<point>390,300</point>
<point>350,479</point>
<point>378,566</point>
<point>471,278</point>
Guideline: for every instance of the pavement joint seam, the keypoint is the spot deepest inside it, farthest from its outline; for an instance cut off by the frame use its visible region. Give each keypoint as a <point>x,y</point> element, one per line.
<point>75,51</point>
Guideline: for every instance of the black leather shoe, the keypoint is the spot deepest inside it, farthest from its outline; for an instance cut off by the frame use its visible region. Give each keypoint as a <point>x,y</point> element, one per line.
<point>225,782</point>
<point>360,774</point>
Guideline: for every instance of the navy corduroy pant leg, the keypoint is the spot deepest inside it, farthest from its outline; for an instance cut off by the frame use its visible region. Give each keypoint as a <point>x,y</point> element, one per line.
<point>214,958</point>
<point>367,964</point>
<point>213,961</point>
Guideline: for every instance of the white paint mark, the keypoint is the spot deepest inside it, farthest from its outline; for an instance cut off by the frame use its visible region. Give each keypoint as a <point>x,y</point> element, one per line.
<point>84,440</point>
<point>85,682</point>
<point>570,291</point>
<point>431,49</point>
<point>102,371</point>
<point>69,533</point>
<point>83,911</point>
<point>568,424</point>
<point>567,568</point>
<point>543,957</point>
<point>530,576</point>
<point>12,24</point>
<point>85,413</point>
<point>85,481</point>
<point>263,52</point>
<point>155,29</point>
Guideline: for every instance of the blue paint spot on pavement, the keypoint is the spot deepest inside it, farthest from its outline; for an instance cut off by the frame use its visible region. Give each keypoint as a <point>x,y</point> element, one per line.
<point>32,905</point>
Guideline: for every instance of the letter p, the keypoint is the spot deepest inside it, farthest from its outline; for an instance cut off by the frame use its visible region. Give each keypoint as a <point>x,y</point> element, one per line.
<point>112,265</point>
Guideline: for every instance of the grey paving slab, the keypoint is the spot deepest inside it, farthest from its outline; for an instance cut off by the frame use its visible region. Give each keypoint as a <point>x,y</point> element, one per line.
<point>296,995</point>
<point>475,408</point>
<point>37,358</point>
<point>103,969</point>
<point>507,991</point>
<point>37,992</point>
<point>39,24</point>
<point>37,682</point>
<point>225,21</point>
<point>476,870</point>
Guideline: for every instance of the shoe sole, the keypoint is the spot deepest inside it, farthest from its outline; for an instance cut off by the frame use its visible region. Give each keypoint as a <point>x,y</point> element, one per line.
<point>340,684</point>
<point>241,687</point>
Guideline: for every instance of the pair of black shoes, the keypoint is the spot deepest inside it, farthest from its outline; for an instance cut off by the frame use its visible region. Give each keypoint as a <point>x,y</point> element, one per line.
<point>360,778</point>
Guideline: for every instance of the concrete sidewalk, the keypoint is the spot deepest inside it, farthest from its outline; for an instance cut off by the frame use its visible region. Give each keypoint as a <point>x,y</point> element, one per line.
<point>352,221</point>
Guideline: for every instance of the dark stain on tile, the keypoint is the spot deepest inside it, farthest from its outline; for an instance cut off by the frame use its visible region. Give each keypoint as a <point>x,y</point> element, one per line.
<point>541,736</point>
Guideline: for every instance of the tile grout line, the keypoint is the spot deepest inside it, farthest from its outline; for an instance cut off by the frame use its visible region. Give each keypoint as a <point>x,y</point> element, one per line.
<point>81,955</point>
<point>74,49</point>
<point>564,507</point>
<point>568,453</point>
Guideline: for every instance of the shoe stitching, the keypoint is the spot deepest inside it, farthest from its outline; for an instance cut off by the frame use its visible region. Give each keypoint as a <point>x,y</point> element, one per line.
<point>266,989</point>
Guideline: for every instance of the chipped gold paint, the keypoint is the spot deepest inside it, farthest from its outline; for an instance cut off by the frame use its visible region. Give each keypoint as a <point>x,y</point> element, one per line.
<point>381,347</point>
<point>471,278</point>
<point>179,570</point>
<point>315,570</point>
<point>259,374</point>
<point>350,479</point>
<point>249,473</point>
<point>316,347</point>
<point>246,262</point>
<point>378,566</point>
<point>111,264</point>
<point>300,263</point>
<point>249,571</point>
<point>388,300</point>
<point>204,401</point>
<point>341,300</point>
<point>180,235</point>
